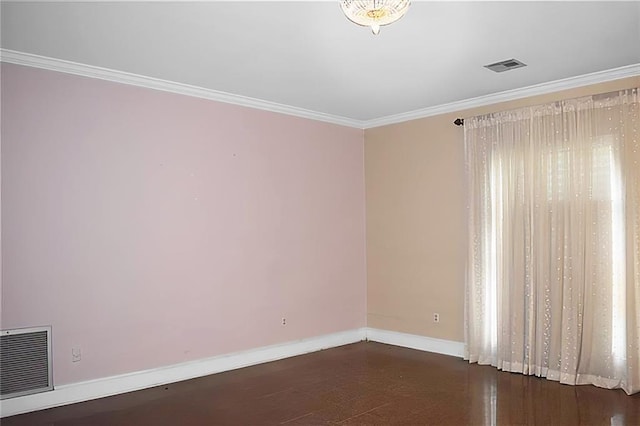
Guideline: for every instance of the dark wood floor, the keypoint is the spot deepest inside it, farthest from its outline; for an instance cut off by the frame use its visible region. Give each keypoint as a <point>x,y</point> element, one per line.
<point>359,384</point>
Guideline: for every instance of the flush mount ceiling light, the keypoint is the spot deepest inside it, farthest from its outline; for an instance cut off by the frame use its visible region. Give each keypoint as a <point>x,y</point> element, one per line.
<point>374,13</point>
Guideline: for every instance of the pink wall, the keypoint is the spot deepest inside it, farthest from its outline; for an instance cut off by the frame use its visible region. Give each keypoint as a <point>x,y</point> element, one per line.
<point>152,228</point>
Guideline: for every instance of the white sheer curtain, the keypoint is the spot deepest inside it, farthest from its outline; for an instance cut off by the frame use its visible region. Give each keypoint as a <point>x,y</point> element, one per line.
<point>553,280</point>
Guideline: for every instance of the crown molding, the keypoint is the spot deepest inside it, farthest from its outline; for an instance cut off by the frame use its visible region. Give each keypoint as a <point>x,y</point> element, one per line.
<point>69,67</point>
<point>509,95</point>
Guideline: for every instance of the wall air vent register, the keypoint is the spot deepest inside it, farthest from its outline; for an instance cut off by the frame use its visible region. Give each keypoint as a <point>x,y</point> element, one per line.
<point>25,361</point>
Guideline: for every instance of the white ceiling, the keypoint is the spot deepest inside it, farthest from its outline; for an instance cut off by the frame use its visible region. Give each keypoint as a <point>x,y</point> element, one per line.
<point>307,55</point>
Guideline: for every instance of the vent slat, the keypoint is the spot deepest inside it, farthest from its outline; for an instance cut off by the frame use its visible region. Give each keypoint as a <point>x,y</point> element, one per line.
<point>11,383</point>
<point>34,383</point>
<point>13,355</point>
<point>29,378</point>
<point>25,362</point>
<point>6,355</point>
<point>29,369</point>
<point>25,355</point>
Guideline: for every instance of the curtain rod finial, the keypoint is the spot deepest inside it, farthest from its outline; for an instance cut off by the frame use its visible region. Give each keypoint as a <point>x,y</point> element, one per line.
<point>459,122</point>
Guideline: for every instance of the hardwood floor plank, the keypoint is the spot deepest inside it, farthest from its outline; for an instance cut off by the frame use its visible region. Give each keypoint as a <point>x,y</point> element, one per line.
<point>361,384</point>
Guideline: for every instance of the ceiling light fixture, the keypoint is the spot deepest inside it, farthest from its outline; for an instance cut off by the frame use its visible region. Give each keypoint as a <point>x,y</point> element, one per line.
<point>374,13</point>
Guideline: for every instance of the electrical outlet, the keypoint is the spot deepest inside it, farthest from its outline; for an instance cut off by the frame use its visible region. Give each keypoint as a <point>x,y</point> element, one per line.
<point>284,321</point>
<point>436,317</point>
<point>76,354</point>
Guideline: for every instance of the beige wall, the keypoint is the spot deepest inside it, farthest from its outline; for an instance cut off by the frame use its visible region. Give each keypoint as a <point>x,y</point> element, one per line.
<point>416,218</point>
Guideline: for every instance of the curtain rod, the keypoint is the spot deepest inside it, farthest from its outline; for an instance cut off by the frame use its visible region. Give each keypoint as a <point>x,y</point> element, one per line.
<point>459,122</point>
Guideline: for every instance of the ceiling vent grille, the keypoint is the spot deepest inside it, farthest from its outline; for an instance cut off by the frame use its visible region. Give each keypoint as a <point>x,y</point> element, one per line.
<point>25,361</point>
<point>509,64</point>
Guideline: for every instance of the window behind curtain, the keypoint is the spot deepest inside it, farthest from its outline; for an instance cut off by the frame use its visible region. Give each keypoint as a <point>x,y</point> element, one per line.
<point>552,282</point>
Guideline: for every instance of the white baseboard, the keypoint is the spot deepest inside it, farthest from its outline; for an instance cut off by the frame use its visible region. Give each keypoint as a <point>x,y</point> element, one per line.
<point>99,388</point>
<point>429,344</point>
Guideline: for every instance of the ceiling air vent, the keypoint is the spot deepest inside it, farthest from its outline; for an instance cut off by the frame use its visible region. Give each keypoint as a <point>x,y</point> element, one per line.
<point>509,64</point>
